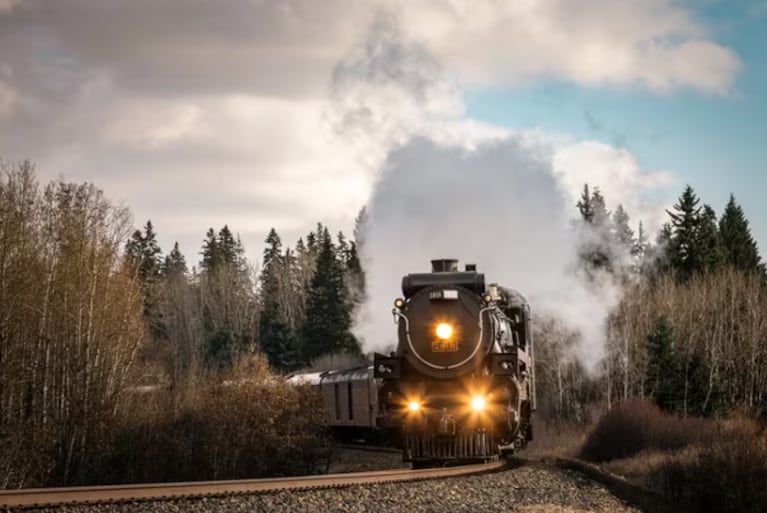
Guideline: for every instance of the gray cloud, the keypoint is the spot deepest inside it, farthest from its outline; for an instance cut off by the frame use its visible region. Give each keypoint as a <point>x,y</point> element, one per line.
<point>201,112</point>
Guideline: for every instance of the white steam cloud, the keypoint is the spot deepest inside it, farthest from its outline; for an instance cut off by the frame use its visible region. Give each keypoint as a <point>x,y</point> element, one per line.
<point>449,187</point>
<point>498,205</point>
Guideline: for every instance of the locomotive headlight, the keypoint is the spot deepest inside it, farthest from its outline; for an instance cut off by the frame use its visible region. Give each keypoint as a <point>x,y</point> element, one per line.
<point>444,330</point>
<point>478,403</point>
<point>399,303</point>
<point>414,406</point>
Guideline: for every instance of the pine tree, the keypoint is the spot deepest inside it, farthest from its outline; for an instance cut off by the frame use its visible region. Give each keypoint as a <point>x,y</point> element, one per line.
<point>328,319</point>
<point>641,250</point>
<point>662,379</point>
<point>342,249</point>
<point>595,233</point>
<point>211,256</point>
<point>711,253</point>
<point>227,246</point>
<point>585,206</point>
<point>684,249</point>
<point>357,282</point>
<point>600,214</point>
<point>641,243</point>
<point>143,252</point>
<point>175,263</point>
<point>739,248</point>
<point>623,232</point>
<point>273,332</point>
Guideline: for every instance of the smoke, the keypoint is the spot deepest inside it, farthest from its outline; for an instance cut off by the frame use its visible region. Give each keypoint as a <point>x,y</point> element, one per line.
<point>449,187</point>
<point>498,205</point>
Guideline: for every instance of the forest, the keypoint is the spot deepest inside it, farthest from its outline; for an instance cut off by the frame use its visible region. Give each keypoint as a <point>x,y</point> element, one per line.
<point>111,349</point>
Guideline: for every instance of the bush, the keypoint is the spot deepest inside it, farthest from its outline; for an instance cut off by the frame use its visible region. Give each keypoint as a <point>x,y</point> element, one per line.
<point>638,425</point>
<point>731,474</point>
<point>248,423</point>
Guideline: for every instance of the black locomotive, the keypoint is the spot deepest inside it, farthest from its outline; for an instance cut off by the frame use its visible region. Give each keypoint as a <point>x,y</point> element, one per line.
<point>461,384</point>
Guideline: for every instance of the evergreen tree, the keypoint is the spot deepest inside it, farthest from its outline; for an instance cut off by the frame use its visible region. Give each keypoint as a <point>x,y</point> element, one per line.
<point>143,252</point>
<point>600,214</point>
<point>357,282</point>
<point>326,327</point>
<point>595,233</point>
<point>175,263</point>
<point>355,278</point>
<point>684,248</point>
<point>342,249</point>
<point>274,335</point>
<point>211,256</point>
<point>227,245</point>
<point>662,380</point>
<point>711,253</point>
<point>739,248</point>
<point>361,227</point>
<point>585,206</point>
<point>641,250</point>
<point>624,235</point>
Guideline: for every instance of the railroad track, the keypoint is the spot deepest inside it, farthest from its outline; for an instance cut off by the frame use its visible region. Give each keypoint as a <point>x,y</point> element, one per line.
<point>125,493</point>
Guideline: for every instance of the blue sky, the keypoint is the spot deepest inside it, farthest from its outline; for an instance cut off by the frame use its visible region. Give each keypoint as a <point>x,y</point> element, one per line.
<point>716,143</point>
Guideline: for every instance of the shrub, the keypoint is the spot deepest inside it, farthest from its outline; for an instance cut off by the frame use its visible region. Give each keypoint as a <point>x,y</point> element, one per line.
<point>249,424</point>
<point>638,425</point>
<point>731,473</point>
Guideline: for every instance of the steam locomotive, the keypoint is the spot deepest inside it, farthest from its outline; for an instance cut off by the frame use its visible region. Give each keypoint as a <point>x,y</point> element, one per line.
<point>461,384</point>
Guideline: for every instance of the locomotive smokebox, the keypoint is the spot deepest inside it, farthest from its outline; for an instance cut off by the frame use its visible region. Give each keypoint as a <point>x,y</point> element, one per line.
<point>444,265</point>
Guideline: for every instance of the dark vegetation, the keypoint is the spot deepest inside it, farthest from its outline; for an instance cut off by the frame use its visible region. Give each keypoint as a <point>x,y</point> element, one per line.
<point>703,464</point>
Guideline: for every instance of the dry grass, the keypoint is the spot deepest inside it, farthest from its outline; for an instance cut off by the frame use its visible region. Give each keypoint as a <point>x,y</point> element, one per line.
<point>720,466</point>
<point>556,439</point>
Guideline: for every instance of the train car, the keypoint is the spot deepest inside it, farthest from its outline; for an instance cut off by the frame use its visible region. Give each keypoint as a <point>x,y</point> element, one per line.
<point>349,398</point>
<point>461,384</point>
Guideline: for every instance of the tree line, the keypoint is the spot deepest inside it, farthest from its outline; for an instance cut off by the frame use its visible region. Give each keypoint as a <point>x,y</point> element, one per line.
<point>690,332</point>
<point>109,347</point>
<point>298,308</point>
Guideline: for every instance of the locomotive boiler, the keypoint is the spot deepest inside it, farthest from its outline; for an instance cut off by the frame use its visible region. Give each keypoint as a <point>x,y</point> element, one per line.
<point>461,384</point>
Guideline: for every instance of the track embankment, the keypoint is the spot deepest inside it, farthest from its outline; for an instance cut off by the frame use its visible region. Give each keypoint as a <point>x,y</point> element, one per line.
<point>41,497</point>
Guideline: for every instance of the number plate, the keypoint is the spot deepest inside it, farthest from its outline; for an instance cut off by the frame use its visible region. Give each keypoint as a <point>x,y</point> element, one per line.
<point>444,346</point>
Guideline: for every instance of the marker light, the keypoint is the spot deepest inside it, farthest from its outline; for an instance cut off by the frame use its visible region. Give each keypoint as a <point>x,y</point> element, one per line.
<point>399,303</point>
<point>414,406</point>
<point>478,403</point>
<point>444,330</point>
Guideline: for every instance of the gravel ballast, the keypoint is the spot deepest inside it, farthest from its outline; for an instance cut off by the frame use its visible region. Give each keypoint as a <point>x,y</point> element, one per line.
<point>525,489</point>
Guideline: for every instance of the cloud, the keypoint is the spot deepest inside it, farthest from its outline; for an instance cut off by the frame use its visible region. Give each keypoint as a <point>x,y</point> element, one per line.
<point>8,99</point>
<point>261,113</point>
<point>656,44</point>
<point>7,6</point>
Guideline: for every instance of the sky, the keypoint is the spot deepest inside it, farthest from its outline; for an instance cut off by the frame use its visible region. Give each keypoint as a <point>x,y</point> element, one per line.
<point>265,113</point>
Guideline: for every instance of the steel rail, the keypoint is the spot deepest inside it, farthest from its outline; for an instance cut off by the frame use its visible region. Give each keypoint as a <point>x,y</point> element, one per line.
<point>37,497</point>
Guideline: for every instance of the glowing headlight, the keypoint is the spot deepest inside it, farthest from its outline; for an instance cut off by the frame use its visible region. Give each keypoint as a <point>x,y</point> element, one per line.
<point>478,403</point>
<point>413,406</point>
<point>444,330</point>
